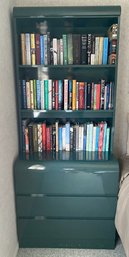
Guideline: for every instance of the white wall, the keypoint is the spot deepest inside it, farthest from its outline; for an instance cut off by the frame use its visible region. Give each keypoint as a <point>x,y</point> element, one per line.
<point>123,72</point>
<point>8,135</point>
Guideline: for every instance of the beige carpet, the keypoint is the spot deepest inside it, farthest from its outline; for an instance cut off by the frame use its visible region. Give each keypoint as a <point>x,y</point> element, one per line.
<point>117,252</point>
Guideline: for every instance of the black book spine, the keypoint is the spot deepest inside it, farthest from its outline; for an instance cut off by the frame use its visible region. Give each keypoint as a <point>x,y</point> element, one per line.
<point>89,49</point>
<point>89,96</point>
<point>84,49</point>
<point>76,48</point>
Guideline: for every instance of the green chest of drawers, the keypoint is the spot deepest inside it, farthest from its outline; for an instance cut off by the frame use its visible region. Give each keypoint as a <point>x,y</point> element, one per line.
<point>71,204</point>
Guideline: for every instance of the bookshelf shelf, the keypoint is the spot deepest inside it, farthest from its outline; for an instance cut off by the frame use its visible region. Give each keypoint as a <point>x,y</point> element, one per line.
<point>102,114</point>
<point>66,176</point>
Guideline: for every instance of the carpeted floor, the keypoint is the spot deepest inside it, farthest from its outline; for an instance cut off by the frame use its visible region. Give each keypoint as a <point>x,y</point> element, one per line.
<point>47,252</point>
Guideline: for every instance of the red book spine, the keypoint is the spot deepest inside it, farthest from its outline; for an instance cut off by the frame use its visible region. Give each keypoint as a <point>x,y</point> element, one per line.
<point>98,97</point>
<point>81,95</point>
<point>44,136</point>
<point>48,137</point>
<point>37,48</point>
<point>56,94</point>
<point>101,134</point>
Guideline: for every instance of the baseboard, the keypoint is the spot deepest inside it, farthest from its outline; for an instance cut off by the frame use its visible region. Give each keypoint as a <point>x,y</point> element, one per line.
<point>14,254</point>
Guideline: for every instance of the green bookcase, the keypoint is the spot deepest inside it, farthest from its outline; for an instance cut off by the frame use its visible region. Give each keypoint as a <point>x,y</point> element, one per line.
<point>66,198</point>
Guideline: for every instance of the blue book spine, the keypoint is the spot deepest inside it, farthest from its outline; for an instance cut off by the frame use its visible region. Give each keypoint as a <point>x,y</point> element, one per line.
<point>60,138</point>
<point>97,138</point>
<point>41,49</point>
<point>24,96</point>
<point>38,93</point>
<point>60,94</point>
<point>67,126</point>
<point>105,51</point>
<point>70,94</point>
<point>107,139</point>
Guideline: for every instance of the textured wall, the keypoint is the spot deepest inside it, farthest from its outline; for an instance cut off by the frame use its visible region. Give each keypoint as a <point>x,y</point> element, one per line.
<point>123,71</point>
<point>8,135</point>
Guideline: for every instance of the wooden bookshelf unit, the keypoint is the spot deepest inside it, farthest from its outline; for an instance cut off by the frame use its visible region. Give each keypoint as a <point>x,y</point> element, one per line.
<point>66,176</point>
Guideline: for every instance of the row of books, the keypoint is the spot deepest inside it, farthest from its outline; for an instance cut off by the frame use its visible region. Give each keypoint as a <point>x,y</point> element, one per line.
<point>38,137</point>
<point>66,95</point>
<point>39,49</point>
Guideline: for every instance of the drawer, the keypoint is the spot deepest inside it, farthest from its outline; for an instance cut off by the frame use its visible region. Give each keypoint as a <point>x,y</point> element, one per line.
<point>66,207</point>
<point>66,233</point>
<point>66,178</point>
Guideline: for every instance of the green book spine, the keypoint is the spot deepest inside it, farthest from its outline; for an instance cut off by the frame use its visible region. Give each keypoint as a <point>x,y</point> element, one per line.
<point>70,49</point>
<point>65,49</point>
<point>46,94</point>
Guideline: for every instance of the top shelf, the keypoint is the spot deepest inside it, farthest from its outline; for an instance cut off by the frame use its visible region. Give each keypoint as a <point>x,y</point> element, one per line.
<point>99,66</point>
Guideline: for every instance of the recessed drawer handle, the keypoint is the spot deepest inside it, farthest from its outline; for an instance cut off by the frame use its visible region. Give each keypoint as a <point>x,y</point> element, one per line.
<point>37,168</point>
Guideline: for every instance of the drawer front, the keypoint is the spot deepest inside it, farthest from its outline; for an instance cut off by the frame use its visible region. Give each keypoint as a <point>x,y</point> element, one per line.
<point>66,233</point>
<point>54,178</point>
<point>66,207</point>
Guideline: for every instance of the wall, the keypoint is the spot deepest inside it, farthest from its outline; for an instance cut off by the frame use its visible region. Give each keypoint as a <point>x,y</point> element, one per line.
<point>123,71</point>
<point>8,135</point>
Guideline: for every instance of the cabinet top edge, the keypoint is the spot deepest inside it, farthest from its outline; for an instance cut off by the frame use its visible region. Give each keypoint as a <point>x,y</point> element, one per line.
<point>66,11</point>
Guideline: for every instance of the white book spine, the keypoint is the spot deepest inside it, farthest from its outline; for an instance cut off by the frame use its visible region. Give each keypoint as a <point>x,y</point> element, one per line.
<point>61,51</point>
<point>39,127</point>
<point>94,139</point>
<point>66,94</point>
<point>28,50</point>
<point>63,138</point>
<point>55,51</point>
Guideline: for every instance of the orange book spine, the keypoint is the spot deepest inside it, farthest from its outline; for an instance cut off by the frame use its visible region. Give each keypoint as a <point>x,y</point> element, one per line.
<point>23,49</point>
<point>74,95</point>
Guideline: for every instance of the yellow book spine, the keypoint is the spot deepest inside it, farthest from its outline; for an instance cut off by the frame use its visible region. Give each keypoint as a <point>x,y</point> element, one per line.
<point>23,49</point>
<point>74,96</point>
<point>33,56</point>
<point>100,50</point>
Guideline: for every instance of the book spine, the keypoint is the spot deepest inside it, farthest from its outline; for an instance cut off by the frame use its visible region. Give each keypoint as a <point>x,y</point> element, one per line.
<point>66,94</point>
<point>70,94</point>
<point>65,49</point>
<point>44,136</point>
<point>31,95</point>
<point>39,129</point>
<point>28,52</point>
<point>23,49</point>
<point>24,94</point>
<point>60,94</point>
<point>42,95</point>
<point>46,94</point>
<point>84,49</point>
<point>55,51</point>
<point>76,48</point>
<point>35,93</point>
<point>41,49</point>
<point>56,94</point>
<point>32,46</point>
<point>81,95</point>
<point>49,94</point>
<point>105,51</point>
<point>45,50</point>
<point>28,94</point>
<point>37,48</point>
<point>70,49</point>
<point>67,126</point>
<point>73,94</point>
<point>38,94</point>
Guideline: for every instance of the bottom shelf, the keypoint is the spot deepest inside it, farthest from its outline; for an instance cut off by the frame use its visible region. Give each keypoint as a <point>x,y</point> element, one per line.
<point>68,156</point>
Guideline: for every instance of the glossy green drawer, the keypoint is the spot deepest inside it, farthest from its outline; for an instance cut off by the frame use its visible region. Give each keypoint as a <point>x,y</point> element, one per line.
<point>64,207</point>
<point>66,233</point>
<point>66,178</point>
